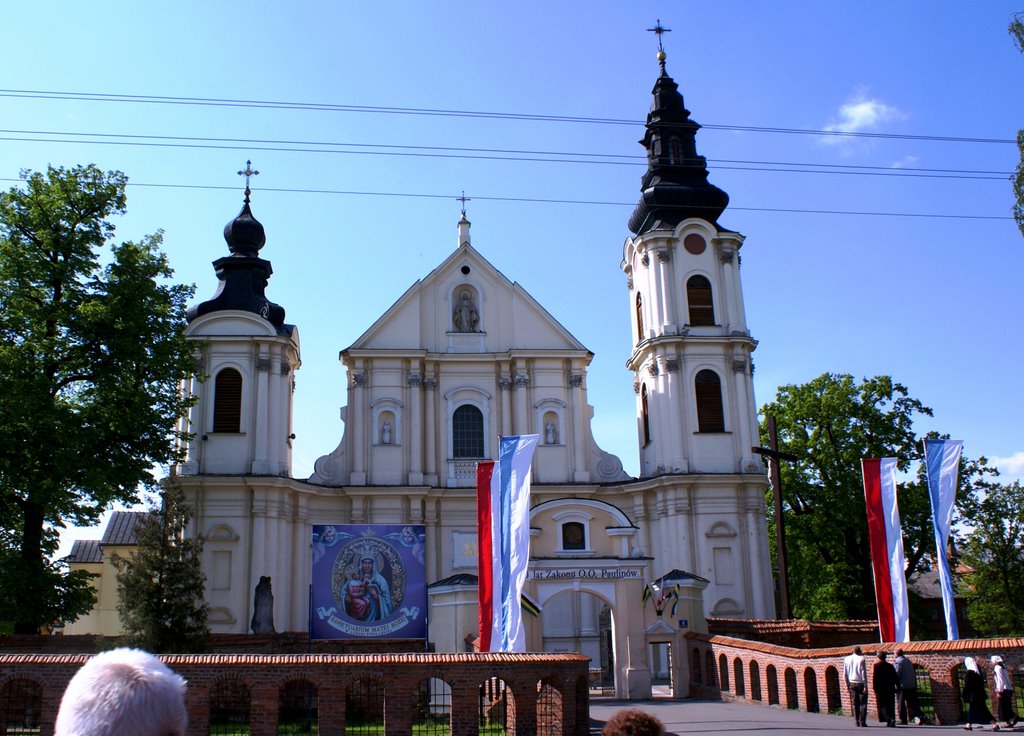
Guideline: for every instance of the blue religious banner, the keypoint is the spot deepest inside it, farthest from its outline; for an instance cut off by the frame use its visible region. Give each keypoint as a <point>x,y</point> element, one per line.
<point>368,582</point>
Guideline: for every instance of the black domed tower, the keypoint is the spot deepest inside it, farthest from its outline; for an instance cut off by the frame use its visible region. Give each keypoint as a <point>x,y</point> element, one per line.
<point>242,419</point>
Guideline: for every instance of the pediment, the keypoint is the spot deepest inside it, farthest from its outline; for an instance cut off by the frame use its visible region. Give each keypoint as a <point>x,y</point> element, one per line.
<point>466,305</point>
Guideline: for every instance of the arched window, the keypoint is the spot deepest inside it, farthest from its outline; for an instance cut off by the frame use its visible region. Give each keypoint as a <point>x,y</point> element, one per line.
<point>639,318</point>
<point>467,432</point>
<point>645,417</point>
<point>710,417</point>
<point>675,151</point>
<point>698,298</point>
<point>227,401</point>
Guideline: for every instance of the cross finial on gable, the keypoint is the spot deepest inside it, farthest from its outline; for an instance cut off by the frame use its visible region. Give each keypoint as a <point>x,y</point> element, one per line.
<point>463,199</point>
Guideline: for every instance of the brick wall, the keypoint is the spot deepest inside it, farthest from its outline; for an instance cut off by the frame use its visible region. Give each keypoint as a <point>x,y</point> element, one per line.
<point>812,679</point>
<point>545,693</point>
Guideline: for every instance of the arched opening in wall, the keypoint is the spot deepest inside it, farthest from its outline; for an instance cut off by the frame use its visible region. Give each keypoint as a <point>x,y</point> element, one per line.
<point>432,709</point>
<point>737,676</point>
<point>789,677</point>
<point>230,702</point>
<point>297,708</point>
<point>771,677</point>
<point>21,700</point>
<point>723,672</point>
<point>467,432</point>
<point>696,670</point>
<point>364,707</point>
<point>709,669</point>
<point>811,690</point>
<point>579,621</point>
<point>959,674</point>
<point>549,708</point>
<point>833,701</point>
<point>496,704</point>
<point>640,336</point>
<point>755,680</point>
<point>924,692</point>
<point>645,418</point>
<point>708,390</point>
<point>227,401</point>
<point>698,299</point>
<point>550,423</point>
<point>386,429</point>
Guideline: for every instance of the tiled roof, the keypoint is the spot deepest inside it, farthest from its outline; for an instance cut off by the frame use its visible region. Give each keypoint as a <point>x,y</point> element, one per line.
<point>86,550</point>
<point>121,527</point>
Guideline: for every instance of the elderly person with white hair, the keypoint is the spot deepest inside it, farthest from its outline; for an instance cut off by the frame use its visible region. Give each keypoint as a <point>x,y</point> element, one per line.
<point>1004,692</point>
<point>123,692</point>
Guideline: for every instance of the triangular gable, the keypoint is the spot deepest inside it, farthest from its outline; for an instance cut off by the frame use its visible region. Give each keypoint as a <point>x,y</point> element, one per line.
<point>510,319</point>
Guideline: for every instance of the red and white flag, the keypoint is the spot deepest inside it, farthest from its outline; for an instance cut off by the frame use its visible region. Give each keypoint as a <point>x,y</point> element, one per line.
<point>886,539</point>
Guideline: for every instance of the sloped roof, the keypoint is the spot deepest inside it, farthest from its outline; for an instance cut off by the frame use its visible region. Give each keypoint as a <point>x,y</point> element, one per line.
<point>121,528</point>
<point>86,550</point>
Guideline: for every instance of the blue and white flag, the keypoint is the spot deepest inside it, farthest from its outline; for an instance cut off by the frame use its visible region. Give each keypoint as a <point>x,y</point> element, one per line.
<point>942,464</point>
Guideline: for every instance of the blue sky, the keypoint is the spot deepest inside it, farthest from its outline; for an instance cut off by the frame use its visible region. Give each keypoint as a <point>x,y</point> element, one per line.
<point>927,289</point>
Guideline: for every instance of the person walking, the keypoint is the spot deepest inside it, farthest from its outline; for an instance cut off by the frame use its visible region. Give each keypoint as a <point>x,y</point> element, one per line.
<point>884,682</point>
<point>975,694</point>
<point>1004,693</point>
<point>907,705</point>
<point>855,672</point>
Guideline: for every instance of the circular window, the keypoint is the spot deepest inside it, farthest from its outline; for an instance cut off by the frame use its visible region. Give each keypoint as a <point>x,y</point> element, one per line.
<point>465,270</point>
<point>694,244</point>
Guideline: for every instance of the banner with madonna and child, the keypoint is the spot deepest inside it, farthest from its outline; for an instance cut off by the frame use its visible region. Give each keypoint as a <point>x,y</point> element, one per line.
<point>368,582</point>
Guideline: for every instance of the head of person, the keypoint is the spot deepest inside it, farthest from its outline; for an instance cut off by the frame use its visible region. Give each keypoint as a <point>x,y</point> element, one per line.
<point>971,664</point>
<point>881,656</point>
<point>996,659</point>
<point>899,652</point>
<point>633,722</point>
<point>123,692</point>
<point>857,650</point>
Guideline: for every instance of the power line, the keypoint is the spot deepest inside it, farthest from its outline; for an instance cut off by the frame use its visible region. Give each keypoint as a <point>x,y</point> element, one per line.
<point>542,200</point>
<point>196,142</point>
<point>383,110</point>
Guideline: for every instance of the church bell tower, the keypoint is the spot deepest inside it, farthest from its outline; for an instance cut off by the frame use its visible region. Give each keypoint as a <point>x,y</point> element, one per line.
<point>241,423</point>
<point>691,347</point>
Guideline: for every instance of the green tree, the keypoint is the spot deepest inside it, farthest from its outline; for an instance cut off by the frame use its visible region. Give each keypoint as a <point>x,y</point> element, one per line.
<point>831,423</point>
<point>993,552</point>
<point>92,350</point>
<point>1017,32</point>
<point>161,587</point>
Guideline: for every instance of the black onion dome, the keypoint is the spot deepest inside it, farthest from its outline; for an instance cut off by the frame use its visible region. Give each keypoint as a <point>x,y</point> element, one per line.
<point>245,233</point>
<point>676,184</point>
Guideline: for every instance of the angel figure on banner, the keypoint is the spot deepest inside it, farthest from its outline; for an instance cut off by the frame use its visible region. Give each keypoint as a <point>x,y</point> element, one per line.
<point>661,597</point>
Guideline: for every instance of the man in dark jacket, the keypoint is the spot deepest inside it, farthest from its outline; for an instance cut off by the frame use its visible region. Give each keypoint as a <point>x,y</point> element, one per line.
<point>906,697</point>
<point>883,683</point>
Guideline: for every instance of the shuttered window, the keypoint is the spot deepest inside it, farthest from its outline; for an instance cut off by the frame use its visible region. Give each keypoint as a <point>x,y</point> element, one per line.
<point>710,417</point>
<point>698,298</point>
<point>227,401</point>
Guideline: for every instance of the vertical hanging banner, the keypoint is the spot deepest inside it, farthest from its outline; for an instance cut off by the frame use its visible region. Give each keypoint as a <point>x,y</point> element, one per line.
<point>942,465</point>
<point>503,534</point>
<point>368,582</point>
<point>886,541</point>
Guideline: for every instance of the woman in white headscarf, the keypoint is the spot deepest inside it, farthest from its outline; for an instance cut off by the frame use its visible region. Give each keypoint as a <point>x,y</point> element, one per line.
<point>1004,692</point>
<point>975,693</point>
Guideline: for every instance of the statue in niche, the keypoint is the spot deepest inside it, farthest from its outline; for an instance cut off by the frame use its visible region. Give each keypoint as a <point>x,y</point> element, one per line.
<point>465,317</point>
<point>385,433</point>
<point>550,433</point>
<point>263,608</point>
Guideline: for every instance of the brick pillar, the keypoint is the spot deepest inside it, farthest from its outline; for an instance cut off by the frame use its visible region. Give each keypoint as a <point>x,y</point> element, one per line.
<point>263,711</point>
<point>197,703</point>
<point>465,709</point>
<point>522,712</point>
<point>399,694</point>
<point>331,710</point>
<point>52,694</point>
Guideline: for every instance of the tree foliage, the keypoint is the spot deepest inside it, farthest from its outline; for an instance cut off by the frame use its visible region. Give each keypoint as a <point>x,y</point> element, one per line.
<point>993,553</point>
<point>161,588</point>
<point>1017,32</point>
<point>92,350</point>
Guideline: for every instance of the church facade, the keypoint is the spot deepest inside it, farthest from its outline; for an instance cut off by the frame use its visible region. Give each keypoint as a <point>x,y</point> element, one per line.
<point>467,355</point>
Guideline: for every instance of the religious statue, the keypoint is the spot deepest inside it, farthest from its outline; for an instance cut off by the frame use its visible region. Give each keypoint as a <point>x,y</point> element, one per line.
<point>465,317</point>
<point>263,608</point>
<point>385,433</point>
<point>550,433</point>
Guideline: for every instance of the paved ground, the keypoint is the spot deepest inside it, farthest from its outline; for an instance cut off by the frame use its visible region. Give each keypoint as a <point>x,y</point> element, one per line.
<point>712,717</point>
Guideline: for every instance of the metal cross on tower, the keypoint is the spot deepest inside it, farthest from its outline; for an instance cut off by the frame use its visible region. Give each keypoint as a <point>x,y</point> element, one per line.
<point>773,455</point>
<point>247,174</point>
<point>659,30</point>
<point>463,199</point>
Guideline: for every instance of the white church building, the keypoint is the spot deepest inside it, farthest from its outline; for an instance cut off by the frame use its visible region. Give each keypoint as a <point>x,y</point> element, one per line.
<point>466,355</point>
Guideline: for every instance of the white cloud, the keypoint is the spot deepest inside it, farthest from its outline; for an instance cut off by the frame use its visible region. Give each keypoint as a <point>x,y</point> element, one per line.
<point>1010,468</point>
<point>907,162</point>
<point>860,114</point>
